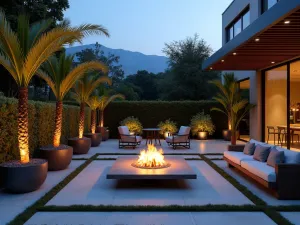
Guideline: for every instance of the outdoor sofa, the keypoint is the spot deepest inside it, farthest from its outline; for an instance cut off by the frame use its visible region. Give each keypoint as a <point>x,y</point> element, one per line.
<point>126,139</point>
<point>283,179</point>
<point>182,138</point>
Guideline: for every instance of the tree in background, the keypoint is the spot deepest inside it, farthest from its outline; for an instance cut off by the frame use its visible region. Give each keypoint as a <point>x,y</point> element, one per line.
<point>36,10</point>
<point>185,79</point>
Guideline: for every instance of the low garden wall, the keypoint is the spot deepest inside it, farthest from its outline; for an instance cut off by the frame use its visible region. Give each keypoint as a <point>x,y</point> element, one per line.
<point>41,125</point>
<point>150,113</point>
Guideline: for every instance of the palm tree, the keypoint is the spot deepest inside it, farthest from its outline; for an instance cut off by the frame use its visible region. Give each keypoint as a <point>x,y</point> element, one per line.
<point>61,77</point>
<point>232,104</point>
<point>93,103</point>
<point>103,102</point>
<point>82,92</point>
<point>23,51</point>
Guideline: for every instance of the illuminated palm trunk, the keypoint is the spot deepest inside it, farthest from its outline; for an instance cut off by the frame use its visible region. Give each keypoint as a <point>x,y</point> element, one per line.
<point>81,120</point>
<point>93,121</point>
<point>23,138</point>
<point>101,118</point>
<point>58,123</point>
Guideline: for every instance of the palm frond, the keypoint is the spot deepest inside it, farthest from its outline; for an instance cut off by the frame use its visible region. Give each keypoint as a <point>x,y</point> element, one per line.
<point>93,102</point>
<point>219,110</point>
<point>42,74</point>
<point>10,47</point>
<point>6,63</point>
<point>91,29</point>
<point>239,105</point>
<point>112,98</point>
<point>36,30</point>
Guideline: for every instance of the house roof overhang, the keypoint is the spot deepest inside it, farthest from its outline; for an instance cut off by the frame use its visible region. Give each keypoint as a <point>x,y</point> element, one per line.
<point>278,41</point>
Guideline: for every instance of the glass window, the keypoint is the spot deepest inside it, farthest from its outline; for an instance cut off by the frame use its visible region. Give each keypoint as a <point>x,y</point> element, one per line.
<point>244,127</point>
<point>230,33</point>
<point>246,20</point>
<point>267,4</point>
<point>276,105</point>
<point>237,28</point>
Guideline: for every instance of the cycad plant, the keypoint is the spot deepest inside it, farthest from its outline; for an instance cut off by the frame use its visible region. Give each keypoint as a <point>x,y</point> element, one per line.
<point>103,102</point>
<point>82,92</point>
<point>23,51</point>
<point>61,76</point>
<point>232,104</point>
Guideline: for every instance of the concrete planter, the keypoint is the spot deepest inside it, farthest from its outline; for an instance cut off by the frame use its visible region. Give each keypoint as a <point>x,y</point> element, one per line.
<point>23,178</point>
<point>95,138</point>
<point>104,133</point>
<point>58,158</point>
<point>80,145</point>
<point>227,135</point>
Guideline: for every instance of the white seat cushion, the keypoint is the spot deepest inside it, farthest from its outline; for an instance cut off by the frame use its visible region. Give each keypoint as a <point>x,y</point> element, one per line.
<point>237,157</point>
<point>131,138</point>
<point>260,169</point>
<point>177,139</point>
<point>123,130</point>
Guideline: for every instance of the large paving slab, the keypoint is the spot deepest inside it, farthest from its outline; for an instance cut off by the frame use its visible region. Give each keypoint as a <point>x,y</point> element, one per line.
<point>150,218</point>
<point>293,217</point>
<point>254,187</point>
<point>200,147</point>
<point>13,204</point>
<point>92,187</point>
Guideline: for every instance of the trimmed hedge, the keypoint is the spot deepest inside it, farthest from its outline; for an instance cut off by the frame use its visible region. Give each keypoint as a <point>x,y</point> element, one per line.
<point>41,126</point>
<point>150,113</point>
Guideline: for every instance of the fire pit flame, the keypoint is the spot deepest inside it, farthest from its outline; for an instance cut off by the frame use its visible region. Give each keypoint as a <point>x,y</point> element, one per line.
<point>151,159</point>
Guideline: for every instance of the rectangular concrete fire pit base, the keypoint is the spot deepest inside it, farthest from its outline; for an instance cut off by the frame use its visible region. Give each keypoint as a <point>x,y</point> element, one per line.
<point>179,169</point>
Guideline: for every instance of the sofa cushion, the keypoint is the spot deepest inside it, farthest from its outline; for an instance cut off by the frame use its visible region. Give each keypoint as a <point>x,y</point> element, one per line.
<point>290,156</point>
<point>275,157</point>
<point>260,169</point>
<point>132,138</point>
<point>237,157</point>
<point>261,153</point>
<point>260,143</point>
<point>249,148</point>
<point>184,130</point>
<point>123,130</point>
<point>177,139</point>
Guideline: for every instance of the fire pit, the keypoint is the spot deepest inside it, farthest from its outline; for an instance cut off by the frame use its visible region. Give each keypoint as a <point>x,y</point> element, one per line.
<point>151,164</point>
<point>151,159</point>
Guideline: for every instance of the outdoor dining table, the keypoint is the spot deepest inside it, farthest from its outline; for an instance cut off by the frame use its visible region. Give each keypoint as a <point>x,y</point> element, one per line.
<point>152,135</point>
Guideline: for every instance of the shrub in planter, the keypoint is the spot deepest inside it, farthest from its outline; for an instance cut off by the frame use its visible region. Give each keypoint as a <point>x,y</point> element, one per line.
<point>202,125</point>
<point>133,124</point>
<point>167,127</point>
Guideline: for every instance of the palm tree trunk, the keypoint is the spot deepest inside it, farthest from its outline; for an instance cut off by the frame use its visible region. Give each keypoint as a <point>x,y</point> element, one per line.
<point>23,138</point>
<point>58,123</point>
<point>93,121</point>
<point>81,120</point>
<point>102,118</point>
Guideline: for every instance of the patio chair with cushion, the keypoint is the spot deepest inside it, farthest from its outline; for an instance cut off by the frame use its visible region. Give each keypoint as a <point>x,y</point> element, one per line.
<point>126,139</point>
<point>181,139</point>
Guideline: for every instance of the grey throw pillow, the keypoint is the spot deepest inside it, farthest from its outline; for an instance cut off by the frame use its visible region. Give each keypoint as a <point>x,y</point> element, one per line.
<point>249,148</point>
<point>261,153</point>
<point>275,157</point>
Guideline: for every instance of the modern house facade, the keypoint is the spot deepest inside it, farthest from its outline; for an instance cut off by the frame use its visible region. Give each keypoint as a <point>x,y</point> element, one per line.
<point>261,45</point>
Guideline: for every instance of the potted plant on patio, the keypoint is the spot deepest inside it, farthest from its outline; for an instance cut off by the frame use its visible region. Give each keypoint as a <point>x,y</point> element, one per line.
<point>167,127</point>
<point>134,125</point>
<point>202,125</point>
<point>96,138</point>
<point>22,52</point>
<point>104,100</point>
<point>81,93</point>
<point>232,104</point>
<point>61,77</point>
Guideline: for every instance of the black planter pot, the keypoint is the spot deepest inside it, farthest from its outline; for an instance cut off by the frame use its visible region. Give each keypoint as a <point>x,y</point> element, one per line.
<point>59,158</point>
<point>95,138</point>
<point>104,133</point>
<point>23,178</point>
<point>80,145</point>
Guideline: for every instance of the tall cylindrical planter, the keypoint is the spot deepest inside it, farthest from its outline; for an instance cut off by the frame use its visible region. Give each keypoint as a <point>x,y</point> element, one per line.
<point>104,133</point>
<point>227,135</point>
<point>23,178</point>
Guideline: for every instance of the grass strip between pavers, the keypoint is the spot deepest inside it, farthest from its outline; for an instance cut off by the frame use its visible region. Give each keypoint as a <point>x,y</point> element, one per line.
<point>31,210</point>
<point>269,211</point>
<point>153,208</point>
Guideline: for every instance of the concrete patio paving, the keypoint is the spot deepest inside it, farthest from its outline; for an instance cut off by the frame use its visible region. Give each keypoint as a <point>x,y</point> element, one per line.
<point>90,187</point>
<point>150,218</point>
